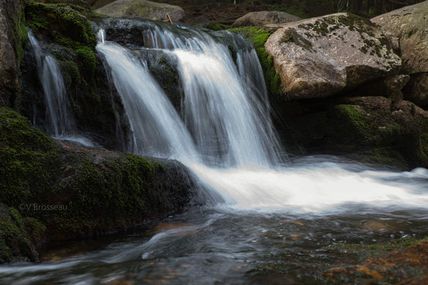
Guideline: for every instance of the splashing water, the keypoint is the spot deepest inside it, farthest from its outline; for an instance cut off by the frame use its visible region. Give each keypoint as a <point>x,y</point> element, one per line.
<point>226,137</point>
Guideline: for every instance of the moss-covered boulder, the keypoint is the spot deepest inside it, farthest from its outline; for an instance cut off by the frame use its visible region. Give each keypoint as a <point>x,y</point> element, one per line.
<point>367,129</point>
<point>18,236</point>
<point>11,26</point>
<point>81,193</point>
<point>323,56</point>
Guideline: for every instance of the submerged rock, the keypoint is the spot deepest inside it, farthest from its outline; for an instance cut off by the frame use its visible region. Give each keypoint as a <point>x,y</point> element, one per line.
<point>144,9</point>
<point>320,57</point>
<point>79,192</point>
<point>11,33</point>
<point>266,18</point>
<point>410,26</point>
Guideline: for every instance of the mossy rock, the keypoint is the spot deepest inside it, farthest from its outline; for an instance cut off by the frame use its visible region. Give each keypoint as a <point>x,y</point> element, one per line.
<point>65,31</point>
<point>65,25</point>
<point>366,129</point>
<point>258,37</point>
<point>61,22</point>
<point>16,244</point>
<point>78,192</point>
<point>28,160</point>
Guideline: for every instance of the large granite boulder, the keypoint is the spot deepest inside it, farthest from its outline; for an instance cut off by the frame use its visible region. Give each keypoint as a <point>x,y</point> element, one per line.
<point>323,56</point>
<point>10,50</point>
<point>410,26</point>
<point>265,18</point>
<point>144,9</point>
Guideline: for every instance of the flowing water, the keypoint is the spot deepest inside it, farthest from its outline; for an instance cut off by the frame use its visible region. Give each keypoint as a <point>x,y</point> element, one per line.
<point>274,221</point>
<point>60,120</point>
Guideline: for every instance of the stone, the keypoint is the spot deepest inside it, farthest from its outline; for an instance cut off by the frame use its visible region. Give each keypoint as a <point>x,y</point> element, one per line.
<point>265,18</point>
<point>410,26</point>
<point>10,49</point>
<point>323,56</point>
<point>142,9</point>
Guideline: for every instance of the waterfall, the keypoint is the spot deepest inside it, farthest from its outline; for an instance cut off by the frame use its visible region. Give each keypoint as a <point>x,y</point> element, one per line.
<point>156,128</point>
<point>225,105</point>
<point>61,123</point>
<point>225,134</point>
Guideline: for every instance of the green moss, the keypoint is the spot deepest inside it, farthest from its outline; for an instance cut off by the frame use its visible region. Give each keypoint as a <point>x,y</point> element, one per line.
<point>217,26</point>
<point>258,36</point>
<point>59,20</point>
<point>28,159</point>
<point>87,59</point>
<point>71,70</point>
<point>354,117</point>
<point>15,242</point>
<point>65,25</point>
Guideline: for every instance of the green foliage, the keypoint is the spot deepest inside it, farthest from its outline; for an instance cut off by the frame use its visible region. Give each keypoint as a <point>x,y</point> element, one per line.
<point>258,36</point>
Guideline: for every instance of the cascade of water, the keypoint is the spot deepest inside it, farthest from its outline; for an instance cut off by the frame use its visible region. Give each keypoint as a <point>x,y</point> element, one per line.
<point>225,105</point>
<point>156,127</point>
<point>61,121</point>
<point>226,112</point>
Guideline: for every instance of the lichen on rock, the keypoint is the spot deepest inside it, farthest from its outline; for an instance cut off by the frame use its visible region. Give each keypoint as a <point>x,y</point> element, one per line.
<point>323,56</point>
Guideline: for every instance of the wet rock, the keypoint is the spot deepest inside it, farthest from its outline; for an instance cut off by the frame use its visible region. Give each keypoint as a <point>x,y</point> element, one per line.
<point>66,33</point>
<point>82,193</point>
<point>368,129</point>
<point>323,56</point>
<point>142,9</point>
<point>266,18</point>
<point>417,89</point>
<point>410,26</point>
<point>11,30</point>
<point>16,240</point>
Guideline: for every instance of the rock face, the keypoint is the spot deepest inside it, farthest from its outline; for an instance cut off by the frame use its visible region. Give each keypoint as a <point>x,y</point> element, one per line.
<point>18,236</point>
<point>10,51</point>
<point>78,192</point>
<point>368,129</point>
<point>144,9</point>
<point>323,56</point>
<point>265,18</point>
<point>410,26</point>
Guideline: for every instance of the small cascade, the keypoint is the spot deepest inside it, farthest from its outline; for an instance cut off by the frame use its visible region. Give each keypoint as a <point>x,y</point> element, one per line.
<point>156,127</point>
<point>225,103</point>
<point>60,119</point>
<point>61,123</point>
